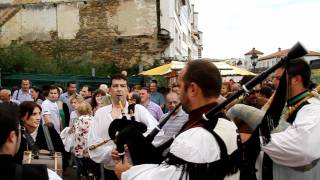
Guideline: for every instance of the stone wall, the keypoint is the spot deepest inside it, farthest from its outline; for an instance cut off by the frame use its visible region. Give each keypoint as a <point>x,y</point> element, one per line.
<point>123,32</point>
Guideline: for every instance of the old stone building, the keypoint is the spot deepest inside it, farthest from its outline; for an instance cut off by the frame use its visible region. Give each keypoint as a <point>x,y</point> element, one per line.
<point>124,32</point>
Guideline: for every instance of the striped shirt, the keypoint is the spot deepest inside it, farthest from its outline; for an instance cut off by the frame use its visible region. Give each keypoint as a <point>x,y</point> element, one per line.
<point>155,110</point>
<point>171,128</point>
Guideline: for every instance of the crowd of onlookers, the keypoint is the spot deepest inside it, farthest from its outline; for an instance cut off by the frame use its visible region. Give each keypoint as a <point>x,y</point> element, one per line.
<point>71,112</point>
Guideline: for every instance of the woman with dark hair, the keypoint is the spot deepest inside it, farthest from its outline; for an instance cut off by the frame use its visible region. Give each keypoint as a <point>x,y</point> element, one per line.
<point>98,100</point>
<point>36,94</point>
<point>30,116</point>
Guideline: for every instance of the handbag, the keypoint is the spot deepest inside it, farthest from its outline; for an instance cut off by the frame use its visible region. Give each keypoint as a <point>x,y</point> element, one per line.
<point>52,159</point>
<point>68,140</point>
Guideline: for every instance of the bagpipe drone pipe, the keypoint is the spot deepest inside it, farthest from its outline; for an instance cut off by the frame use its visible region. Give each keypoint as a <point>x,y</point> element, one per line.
<point>140,148</point>
<point>262,123</point>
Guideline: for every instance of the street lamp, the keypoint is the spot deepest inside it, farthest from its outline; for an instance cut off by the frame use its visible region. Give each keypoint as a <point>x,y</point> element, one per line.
<point>254,59</point>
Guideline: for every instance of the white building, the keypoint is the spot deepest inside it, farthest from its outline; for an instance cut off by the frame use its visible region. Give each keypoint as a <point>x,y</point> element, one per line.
<point>271,59</point>
<point>239,62</point>
<point>179,18</point>
<point>250,59</point>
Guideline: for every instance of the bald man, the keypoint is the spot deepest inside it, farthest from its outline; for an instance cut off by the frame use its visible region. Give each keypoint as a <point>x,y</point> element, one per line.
<point>5,97</point>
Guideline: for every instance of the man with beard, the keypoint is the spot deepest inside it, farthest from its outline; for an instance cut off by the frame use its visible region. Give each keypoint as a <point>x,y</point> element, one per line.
<point>196,151</point>
<point>98,131</point>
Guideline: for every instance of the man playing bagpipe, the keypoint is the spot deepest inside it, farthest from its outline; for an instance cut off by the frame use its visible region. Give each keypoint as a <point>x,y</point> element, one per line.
<point>99,141</point>
<point>290,152</point>
<point>201,149</point>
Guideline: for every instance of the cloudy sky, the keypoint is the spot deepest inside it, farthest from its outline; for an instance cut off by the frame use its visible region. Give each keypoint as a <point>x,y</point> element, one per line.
<point>233,27</point>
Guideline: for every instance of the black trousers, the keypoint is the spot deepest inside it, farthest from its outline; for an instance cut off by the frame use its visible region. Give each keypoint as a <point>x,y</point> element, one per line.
<point>109,174</point>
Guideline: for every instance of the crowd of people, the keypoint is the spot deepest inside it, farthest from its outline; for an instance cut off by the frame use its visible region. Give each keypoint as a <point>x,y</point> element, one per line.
<point>189,145</point>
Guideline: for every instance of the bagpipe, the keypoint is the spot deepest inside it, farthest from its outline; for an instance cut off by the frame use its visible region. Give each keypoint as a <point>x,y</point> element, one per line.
<point>124,131</point>
<point>130,132</point>
<point>245,156</point>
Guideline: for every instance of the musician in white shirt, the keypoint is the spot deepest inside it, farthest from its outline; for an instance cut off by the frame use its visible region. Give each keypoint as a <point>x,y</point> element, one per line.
<point>98,131</point>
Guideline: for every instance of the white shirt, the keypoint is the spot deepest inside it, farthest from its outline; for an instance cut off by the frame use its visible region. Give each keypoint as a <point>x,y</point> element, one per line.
<point>98,132</point>
<point>34,134</point>
<point>73,118</point>
<point>194,145</point>
<point>53,175</point>
<point>22,96</point>
<point>52,109</point>
<point>298,145</point>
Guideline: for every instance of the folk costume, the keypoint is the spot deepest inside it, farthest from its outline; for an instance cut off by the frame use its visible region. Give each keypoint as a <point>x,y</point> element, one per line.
<point>197,153</point>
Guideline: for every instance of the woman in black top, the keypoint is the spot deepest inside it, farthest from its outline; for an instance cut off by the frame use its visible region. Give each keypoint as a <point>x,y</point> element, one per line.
<point>30,116</point>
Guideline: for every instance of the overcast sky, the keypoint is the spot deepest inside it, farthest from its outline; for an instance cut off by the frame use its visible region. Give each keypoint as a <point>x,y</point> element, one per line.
<point>233,27</point>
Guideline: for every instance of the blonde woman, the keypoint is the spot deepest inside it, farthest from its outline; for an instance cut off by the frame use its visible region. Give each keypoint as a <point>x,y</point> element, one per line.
<point>86,166</point>
<point>75,100</point>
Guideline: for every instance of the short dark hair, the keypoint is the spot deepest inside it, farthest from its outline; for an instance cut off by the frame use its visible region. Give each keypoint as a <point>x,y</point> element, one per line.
<point>147,89</point>
<point>266,91</point>
<point>299,67</point>
<point>27,107</point>
<point>9,121</point>
<point>53,87</point>
<point>154,81</point>
<point>90,89</point>
<point>119,77</point>
<point>206,75</point>
<point>71,82</point>
<point>136,97</point>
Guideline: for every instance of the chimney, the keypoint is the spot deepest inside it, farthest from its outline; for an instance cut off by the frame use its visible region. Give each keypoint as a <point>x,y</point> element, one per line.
<point>279,49</point>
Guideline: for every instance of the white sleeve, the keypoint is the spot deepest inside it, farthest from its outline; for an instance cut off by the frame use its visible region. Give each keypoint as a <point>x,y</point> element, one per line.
<point>98,132</point>
<point>14,95</point>
<point>143,115</point>
<point>52,175</point>
<point>45,108</point>
<point>152,171</point>
<point>298,145</point>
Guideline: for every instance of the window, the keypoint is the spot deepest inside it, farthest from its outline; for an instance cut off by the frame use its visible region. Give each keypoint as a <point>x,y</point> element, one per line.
<point>199,53</point>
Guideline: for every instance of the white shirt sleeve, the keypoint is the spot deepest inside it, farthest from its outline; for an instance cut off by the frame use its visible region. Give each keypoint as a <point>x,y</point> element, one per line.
<point>298,145</point>
<point>53,176</point>
<point>14,95</point>
<point>152,171</point>
<point>45,108</point>
<point>194,145</point>
<point>143,115</point>
<point>98,132</point>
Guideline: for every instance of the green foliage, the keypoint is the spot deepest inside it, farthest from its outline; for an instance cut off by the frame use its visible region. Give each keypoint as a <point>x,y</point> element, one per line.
<point>20,58</point>
<point>162,81</point>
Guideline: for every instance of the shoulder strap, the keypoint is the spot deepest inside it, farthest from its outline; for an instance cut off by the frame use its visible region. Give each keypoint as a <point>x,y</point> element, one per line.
<point>48,138</point>
<point>18,172</point>
<point>31,143</point>
<point>17,95</point>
